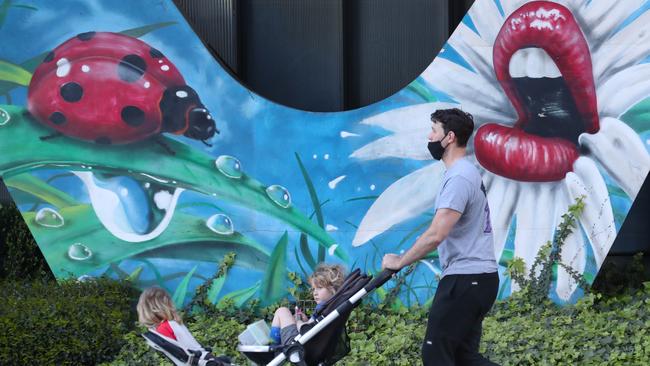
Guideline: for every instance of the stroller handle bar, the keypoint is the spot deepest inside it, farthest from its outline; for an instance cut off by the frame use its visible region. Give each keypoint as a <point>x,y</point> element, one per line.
<point>378,281</point>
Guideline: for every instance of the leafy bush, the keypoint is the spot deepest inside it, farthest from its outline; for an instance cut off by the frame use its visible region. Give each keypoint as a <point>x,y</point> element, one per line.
<point>71,323</point>
<point>595,331</point>
<point>20,257</point>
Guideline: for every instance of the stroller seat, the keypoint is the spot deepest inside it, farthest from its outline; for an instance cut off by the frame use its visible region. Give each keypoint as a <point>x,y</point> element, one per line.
<point>184,351</point>
<point>325,341</point>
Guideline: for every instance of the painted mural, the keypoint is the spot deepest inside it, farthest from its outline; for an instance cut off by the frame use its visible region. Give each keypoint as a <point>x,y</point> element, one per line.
<point>131,153</point>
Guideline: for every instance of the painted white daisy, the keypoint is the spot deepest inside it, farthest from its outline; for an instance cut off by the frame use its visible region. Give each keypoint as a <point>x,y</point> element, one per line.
<point>546,83</point>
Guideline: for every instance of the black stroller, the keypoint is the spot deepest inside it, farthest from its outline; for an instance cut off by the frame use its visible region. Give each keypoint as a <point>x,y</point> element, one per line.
<point>325,341</point>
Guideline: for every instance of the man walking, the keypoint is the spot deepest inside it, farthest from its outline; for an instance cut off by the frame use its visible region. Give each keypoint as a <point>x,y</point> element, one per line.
<point>461,231</point>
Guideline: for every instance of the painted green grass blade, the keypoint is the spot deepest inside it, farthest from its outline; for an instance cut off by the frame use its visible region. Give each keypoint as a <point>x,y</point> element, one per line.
<point>417,87</point>
<point>240,297</point>
<point>31,64</point>
<point>186,238</point>
<point>274,284</point>
<point>506,256</point>
<point>306,252</point>
<point>4,9</point>
<point>302,268</point>
<point>181,290</point>
<point>14,74</point>
<point>28,7</point>
<point>362,198</point>
<point>135,275</point>
<point>29,184</point>
<point>315,202</point>
<point>416,230</point>
<point>215,288</point>
<point>21,150</point>
<point>638,117</point>
<point>141,31</point>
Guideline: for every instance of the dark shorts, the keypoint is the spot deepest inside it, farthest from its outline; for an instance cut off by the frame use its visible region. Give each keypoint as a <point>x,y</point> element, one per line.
<point>288,333</point>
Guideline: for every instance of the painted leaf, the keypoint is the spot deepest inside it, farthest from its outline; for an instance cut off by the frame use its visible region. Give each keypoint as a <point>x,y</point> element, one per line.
<point>14,74</point>
<point>274,285</point>
<point>215,288</point>
<point>181,290</point>
<point>22,151</point>
<point>240,297</point>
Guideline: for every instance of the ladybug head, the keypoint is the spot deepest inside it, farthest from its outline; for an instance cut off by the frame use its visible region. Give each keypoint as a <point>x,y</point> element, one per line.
<point>201,126</point>
<point>184,114</point>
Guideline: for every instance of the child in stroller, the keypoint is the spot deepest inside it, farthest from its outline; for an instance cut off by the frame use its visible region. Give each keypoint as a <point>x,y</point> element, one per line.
<point>325,282</point>
<point>168,334</point>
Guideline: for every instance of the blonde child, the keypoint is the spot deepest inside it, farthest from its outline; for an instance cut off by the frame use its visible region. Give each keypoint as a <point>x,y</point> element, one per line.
<point>324,282</point>
<point>156,311</point>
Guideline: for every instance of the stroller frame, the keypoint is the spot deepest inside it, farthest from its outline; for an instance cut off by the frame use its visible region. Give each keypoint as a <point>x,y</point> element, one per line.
<point>294,352</point>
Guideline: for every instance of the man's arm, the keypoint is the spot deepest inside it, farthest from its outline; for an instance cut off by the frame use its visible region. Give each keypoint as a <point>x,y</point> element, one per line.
<point>441,225</point>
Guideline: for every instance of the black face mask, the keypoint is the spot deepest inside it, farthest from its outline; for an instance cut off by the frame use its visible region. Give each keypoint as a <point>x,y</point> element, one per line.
<point>436,149</point>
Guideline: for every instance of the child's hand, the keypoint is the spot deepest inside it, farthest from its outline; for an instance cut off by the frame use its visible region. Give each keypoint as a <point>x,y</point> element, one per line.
<point>299,315</point>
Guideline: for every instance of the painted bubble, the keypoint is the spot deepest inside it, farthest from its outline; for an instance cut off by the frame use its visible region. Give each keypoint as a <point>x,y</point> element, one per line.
<point>48,217</point>
<point>220,224</point>
<point>4,117</point>
<point>229,166</point>
<point>279,195</point>
<point>79,252</point>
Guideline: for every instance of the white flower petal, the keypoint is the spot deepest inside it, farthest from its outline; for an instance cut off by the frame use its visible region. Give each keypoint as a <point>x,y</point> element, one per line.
<point>534,229</point>
<point>510,6</point>
<point>626,48</point>
<point>618,148</point>
<point>623,90</point>
<point>574,256</point>
<point>402,200</point>
<point>487,19</point>
<point>468,89</point>
<point>502,197</point>
<point>405,145</point>
<point>600,18</point>
<point>406,119</point>
<point>597,219</point>
<point>475,51</point>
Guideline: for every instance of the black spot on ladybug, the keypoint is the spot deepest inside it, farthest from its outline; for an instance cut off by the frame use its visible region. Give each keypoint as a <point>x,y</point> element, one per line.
<point>131,68</point>
<point>57,118</point>
<point>103,140</point>
<point>132,116</point>
<point>86,36</point>
<point>71,92</point>
<point>49,57</point>
<point>155,53</point>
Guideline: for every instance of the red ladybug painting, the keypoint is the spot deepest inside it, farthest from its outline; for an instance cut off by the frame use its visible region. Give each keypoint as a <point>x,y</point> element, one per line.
<point>110,88</point>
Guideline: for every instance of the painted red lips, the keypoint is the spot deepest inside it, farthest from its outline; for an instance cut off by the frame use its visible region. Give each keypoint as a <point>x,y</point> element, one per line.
<point>510,151</point>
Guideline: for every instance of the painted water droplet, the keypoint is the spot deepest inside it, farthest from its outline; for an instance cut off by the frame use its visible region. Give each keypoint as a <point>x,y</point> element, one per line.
<point>315,156</point>
<point>229,166</point>
<point>372,187</point>
<point>85,68</point>
<point>4,117</point>
<point>79,252</point>
<point>326,156</point>
<point>164,67</point>
<point>330,227</point>
<point>332,249</point>
<point>147,84</point>
<point>279,195</point>
<point>49,218</point>
<point>220,224</point>
<point>85,278</point>
<point>332,184</point>
<point>127,209</point>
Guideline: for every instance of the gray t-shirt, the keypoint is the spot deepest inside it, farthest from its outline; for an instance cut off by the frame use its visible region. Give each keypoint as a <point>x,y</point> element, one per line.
<point>469,247</point>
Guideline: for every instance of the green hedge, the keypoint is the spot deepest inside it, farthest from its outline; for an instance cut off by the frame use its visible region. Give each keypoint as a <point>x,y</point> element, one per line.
<point>20,257</point>
<point>596,331</point>
<point>72,323</point>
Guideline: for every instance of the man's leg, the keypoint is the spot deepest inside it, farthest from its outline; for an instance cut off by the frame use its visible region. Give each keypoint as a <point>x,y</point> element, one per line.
<point>441,339</point>
<point>482,294</point>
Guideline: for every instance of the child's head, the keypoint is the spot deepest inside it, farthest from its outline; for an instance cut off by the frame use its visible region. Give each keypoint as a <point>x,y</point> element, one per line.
<point>326,280</point>
<point>155,306</point>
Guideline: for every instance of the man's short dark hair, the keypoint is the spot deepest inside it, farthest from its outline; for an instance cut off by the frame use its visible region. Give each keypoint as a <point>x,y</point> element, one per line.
<point>462,123</point>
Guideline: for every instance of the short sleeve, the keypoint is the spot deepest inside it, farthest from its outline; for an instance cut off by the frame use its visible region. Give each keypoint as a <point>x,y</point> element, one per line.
<point>455,194</point>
